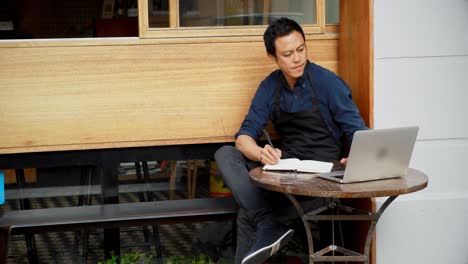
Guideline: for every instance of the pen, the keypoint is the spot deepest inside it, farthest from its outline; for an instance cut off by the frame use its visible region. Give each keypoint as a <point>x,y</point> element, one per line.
<point>268,138</point>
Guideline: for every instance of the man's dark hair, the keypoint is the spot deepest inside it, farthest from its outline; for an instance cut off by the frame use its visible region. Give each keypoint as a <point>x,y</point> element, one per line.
<point>279,28</point>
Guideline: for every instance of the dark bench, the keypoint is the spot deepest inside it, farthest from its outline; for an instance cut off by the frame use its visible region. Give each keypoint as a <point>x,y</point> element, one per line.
<point>112,216</point>
<point>105,163</point>
<point>83,190</point>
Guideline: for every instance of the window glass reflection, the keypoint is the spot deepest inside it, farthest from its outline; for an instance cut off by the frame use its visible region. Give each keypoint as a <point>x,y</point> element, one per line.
<point>158,13</point>
<point>332,11</point>
<point>199,13</point>
<point>44,19</point>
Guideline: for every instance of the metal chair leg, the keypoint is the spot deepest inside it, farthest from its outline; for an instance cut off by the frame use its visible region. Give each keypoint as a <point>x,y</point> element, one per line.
<point>141,196</point>
<point>4,240</point>
<point>84,247</point>
<point>189,179</point>
<point>82,236</point>
<point>148,196</point>
<point>192,171</point>
<point>24,205</point>
<point>172,179</point>
<point>157,241</point>
<point>194,179</point>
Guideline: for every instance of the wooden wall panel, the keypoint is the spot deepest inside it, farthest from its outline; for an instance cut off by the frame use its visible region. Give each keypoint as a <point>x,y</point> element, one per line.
<point>356,53</point>
<point>100,96</point>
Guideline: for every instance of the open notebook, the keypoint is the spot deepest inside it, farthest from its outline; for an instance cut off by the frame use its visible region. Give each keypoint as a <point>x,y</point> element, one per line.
<point>311,166</point>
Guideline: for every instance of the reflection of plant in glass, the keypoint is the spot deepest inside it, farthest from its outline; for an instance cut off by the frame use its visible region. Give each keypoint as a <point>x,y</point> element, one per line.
<point>201,259</point>
<point>231,10</point>
<point>132,258</point>
<point>129,258</point>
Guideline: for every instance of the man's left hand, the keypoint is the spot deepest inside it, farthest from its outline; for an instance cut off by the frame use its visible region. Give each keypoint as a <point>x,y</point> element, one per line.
<point>344,161</point>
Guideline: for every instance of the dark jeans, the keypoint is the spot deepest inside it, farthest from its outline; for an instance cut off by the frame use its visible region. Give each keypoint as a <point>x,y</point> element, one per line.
<point>257,205</point>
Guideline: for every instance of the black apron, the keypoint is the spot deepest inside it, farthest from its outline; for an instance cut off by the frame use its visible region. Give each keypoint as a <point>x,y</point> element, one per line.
<point>304,134</point>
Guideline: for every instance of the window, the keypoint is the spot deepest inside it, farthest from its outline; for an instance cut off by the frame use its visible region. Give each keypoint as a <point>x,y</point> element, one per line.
<point>45,19</point>
<point>199,18</point>
<point>208,13</point>
<point>23,19</point>
<point>332,12</point>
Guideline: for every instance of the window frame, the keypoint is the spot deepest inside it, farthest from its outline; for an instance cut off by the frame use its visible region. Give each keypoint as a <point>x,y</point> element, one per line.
<point>174,31</point>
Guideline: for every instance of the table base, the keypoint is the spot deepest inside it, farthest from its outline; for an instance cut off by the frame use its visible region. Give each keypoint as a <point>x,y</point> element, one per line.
<point>351,214</point>
<point>347,255</point>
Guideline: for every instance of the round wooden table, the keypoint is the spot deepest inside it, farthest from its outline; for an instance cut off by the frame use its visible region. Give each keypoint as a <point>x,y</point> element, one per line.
<point>304,184</point>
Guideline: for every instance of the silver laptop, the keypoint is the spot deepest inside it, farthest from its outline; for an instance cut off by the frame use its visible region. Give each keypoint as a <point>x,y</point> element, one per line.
<point>377,154</point>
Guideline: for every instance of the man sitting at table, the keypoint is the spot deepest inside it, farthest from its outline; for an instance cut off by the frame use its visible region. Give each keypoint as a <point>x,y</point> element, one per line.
<point>311,109</point>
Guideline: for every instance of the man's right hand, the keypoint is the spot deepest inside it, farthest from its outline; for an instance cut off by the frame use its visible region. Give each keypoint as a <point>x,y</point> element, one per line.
<point>266,155</point>
<point>269,155</point>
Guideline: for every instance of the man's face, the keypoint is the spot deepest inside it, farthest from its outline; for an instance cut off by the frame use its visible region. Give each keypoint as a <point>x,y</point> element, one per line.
<point>291,56</point>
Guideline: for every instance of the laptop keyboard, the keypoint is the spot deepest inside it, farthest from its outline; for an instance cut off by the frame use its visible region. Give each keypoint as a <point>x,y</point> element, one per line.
<point>334,174</point>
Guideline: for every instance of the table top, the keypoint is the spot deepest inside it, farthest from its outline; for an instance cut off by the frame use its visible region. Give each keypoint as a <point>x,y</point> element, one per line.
<point>310,185</point>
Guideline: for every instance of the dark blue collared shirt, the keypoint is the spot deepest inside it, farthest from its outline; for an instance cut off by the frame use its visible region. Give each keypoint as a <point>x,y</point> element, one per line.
<point>338,110</point>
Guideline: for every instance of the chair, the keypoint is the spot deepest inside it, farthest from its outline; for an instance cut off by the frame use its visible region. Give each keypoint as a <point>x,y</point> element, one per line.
<point>144,197</point>
<point>192,172</point>
<point>86,177</point>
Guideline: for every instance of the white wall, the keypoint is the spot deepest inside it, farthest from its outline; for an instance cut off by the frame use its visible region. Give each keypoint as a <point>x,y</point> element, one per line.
<point>421,78</point>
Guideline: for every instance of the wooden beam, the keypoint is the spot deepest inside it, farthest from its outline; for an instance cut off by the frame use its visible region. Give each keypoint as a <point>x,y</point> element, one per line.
<point>320,15</point>
<point>143,17</point>
<point>266,11</point>
<point>356,53</point>
<point>174,13</point>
